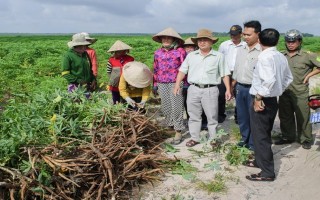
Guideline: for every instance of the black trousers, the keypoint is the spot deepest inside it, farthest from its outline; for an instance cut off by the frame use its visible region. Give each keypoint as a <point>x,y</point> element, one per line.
<point>222,100</point>
<point>261,126</point>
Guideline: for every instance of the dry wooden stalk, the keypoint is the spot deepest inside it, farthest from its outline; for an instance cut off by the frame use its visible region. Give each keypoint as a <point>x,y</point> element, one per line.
<point>115,161</point>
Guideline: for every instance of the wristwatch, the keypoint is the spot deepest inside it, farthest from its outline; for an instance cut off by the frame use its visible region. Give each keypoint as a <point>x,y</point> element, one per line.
<point>258,97</point>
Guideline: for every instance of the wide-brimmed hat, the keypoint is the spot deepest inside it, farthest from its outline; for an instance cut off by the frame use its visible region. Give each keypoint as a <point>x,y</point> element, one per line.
<point>188,41</point>
<point>137,74</point>
<point>119,46</point>
<point>235,30</point>
<point>168,32</point>
<point>78,40</point>
<point>205,33</point>
<point>88,38</point>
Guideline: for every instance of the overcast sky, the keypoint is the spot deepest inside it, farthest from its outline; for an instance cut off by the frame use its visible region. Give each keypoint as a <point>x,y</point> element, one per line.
<point>152,16</point>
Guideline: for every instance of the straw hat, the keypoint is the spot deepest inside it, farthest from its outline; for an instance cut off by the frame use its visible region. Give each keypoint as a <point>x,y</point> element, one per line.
<point>78,40</point>
<point>88,38</point>
<point>168,32</point>
<point>137,74</point>
<point>205,33</point>
<point>188,41</point>
<point>119,46</point>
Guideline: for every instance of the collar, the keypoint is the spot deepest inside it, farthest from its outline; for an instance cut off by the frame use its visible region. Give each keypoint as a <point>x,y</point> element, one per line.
<point>256,47</point>
<point>212,52</point>
<point>242,43</point>
<point>270,49</point>
<point>286,52</point>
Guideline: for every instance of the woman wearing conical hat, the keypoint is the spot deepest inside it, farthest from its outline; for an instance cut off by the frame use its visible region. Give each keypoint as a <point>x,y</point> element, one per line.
<point>135,83</point>
<point>115,65</point>
<point>167,61</point>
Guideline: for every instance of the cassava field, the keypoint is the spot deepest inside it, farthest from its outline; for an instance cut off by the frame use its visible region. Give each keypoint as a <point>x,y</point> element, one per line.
<point>38,117</point>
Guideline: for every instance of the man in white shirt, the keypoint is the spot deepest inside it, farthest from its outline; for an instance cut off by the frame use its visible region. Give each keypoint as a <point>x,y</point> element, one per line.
<point>229,49</point>
<point>271,76</point>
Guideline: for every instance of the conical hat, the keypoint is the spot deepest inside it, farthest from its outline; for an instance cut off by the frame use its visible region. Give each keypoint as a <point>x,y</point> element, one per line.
<point>137,74</point>
<point>168,32</point>
<point>119,46</point>
<point>188,41</point>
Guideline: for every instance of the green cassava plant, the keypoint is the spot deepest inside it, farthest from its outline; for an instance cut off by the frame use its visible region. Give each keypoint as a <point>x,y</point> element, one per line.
<point>185,169</point>
<point>43,118</point>
<point>236,155</point>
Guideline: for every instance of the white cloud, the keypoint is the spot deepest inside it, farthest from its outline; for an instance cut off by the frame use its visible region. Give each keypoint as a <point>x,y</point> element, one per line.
<point>152,16</point>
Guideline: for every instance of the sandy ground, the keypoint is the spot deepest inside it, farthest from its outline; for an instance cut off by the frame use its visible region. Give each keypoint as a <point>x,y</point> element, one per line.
<point>297,172</point>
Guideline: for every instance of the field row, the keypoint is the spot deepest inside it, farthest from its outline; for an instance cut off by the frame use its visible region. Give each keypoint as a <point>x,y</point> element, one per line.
<point>32,63</point>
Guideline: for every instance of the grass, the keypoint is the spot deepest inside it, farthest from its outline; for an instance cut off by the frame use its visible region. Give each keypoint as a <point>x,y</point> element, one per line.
<point>235,132</point>
<point>315,90</point>
<point>214,186</point>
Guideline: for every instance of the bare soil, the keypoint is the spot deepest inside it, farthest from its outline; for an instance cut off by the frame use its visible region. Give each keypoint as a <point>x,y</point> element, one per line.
<point>297,172</point>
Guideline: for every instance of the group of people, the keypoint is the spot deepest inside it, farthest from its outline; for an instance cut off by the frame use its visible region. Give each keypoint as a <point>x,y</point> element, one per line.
<point>189,75</point>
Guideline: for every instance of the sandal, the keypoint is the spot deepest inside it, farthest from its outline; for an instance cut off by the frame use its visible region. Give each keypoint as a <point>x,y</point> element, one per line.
<point>191,143</point>
<point>258,177</point>
<point>250,163</point>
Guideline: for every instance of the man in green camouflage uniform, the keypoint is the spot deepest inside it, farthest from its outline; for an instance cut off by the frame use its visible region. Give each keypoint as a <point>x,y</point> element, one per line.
<point>294,112</point>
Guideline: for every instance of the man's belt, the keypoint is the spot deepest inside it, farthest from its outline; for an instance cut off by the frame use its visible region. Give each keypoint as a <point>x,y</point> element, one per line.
<point>244,85</point>
<point>203,85</point>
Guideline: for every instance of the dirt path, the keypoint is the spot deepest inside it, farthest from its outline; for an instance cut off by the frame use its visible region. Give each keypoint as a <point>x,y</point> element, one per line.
<point>297,172</point>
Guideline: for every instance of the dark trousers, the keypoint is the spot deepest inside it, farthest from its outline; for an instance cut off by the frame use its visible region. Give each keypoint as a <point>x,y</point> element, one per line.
<point>294,115</point>
<point>244,103</point>
<point>116,98</point>
<point>235,108</point>
<point>222,100</point>
<point>261,127</point>
<point>185,95</point>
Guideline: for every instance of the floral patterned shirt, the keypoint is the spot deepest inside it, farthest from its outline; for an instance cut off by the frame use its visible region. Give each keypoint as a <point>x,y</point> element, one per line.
<point>166,65</point>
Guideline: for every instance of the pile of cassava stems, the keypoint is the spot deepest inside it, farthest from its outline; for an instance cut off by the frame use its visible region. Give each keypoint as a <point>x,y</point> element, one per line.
<point>116,161</point>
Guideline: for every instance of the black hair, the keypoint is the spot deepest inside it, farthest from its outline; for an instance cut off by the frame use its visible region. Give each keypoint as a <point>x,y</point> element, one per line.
<point>253,24</point>
<point>269,37</point>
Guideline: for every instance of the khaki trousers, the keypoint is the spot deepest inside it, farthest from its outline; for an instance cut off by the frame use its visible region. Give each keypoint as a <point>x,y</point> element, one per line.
<point>206,99</point>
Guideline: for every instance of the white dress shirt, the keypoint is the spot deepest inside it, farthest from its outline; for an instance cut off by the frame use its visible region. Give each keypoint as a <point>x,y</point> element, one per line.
<point>229,50</point>
<point>271,75</point>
